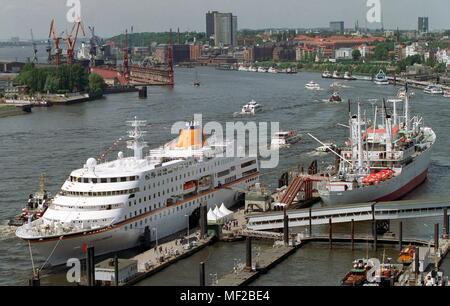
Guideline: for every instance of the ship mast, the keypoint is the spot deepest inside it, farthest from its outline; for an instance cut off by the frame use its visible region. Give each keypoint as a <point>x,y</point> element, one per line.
<point>407,110</point>
<point>136,135</point>
<point>360,144</point>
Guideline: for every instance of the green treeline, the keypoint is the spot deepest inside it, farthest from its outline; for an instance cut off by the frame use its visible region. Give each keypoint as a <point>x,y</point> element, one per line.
<point>62,79</point>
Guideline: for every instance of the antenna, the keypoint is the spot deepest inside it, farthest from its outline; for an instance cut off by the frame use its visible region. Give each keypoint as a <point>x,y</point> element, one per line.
<point>136,134</point>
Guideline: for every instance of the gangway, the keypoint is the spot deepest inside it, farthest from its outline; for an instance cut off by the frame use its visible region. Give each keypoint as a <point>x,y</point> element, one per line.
<point>300,183</point>
<point>405,209</point>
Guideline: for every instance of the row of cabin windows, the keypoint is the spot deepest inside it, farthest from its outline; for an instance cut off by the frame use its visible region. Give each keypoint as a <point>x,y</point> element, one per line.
<point>178,208</point>
<point>99,193</point>
<point>245,165</point>
<point>103,180</point>
<point>251,180</point>
<point>89,207</point>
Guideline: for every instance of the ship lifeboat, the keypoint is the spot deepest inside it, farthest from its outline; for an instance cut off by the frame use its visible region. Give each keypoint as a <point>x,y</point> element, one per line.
<point>189,187</point>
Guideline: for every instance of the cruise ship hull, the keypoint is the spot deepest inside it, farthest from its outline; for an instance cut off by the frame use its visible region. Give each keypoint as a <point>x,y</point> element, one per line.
<point>117,238</point>
<point>412,175</point>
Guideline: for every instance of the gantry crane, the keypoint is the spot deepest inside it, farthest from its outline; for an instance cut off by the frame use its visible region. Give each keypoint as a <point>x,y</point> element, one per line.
<point>71,40</point>
<point>56,41</point>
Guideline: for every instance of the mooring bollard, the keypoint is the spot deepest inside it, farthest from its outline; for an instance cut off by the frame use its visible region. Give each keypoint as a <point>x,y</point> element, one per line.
<point>445,229</point>
<point>202,274</point>
<point>330,232</point>
<point>400,235</point>
<point>116,269</point>
<point>416,260</point>
<point>286,228</point>
<point>90,266</point>
<point>248,252</point>
<point>310,222</point>
<point>353,233</point>
<point>436,238</point>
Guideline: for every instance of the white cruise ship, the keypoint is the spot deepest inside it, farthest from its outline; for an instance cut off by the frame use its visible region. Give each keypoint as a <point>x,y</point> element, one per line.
<point>109,205</point>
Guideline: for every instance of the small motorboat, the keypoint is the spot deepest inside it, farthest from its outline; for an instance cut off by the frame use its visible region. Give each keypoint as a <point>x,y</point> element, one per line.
<point>335,98</point>
<point>434,90</point>
<point>348,76</point>
<point>326,147</point>
<point>447,93</point>
<point>336,75</point>
<point>251,108</point>
<point>381,78</point>
<point>327,75</point>
<point>312,86</point>
<point>272,70</point>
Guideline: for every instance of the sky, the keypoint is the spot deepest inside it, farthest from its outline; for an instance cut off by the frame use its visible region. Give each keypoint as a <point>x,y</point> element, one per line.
<point>111,17</point>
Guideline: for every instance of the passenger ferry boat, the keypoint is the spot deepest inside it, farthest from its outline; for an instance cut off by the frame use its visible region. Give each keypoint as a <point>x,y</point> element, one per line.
<point>381,78</point>
<point>283,139</point>
<point>383,162</point>
<point>110,205</point>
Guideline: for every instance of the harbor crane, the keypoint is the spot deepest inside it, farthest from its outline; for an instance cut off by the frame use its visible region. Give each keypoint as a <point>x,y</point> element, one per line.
<point>71,40</point>
<point>57,43</point>
<point>35,51</point>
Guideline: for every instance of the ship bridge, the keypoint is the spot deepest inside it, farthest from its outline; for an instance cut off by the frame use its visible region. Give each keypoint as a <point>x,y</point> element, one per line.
<point>371,211</point>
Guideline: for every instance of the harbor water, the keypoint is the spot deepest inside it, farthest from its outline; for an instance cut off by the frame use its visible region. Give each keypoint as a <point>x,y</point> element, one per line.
<point>59,139</point>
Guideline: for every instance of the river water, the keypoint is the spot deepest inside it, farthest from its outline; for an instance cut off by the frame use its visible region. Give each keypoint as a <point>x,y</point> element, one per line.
<point>59,139</point>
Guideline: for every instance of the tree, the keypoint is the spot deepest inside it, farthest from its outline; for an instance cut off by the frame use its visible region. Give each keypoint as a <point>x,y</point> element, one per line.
<point>356,54</point>
<point>96,84</point>
<point>381,52</point>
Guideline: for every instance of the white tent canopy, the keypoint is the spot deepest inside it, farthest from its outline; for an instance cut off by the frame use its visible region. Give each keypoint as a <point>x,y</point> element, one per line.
<point>212,217</point>
<point>225,211</point>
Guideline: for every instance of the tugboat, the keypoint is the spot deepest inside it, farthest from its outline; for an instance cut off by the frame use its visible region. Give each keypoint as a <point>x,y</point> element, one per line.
<point>36,206</point>
<point>335,98</point>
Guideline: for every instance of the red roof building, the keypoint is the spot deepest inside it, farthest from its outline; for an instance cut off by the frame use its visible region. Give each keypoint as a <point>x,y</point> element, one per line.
<point>112,77</point>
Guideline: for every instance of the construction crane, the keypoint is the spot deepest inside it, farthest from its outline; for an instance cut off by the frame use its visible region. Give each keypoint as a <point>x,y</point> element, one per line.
<point>126,59</point>
<point>71,40</point>
<point>35,59</point>
<point>57,43</point>
<point>93,42</point>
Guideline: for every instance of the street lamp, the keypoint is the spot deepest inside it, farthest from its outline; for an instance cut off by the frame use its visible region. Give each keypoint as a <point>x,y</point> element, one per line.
<point>156,232</point>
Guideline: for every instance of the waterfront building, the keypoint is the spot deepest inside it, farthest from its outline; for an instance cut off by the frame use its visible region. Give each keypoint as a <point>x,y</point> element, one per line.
<point>422,25</point>
<point>343,53</point>
<point>337,27</point>
<point>225,29</point>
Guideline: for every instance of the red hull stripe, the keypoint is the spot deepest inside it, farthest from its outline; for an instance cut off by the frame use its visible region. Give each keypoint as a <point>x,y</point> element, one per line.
<point>405,189</point>
<point>142,216</point>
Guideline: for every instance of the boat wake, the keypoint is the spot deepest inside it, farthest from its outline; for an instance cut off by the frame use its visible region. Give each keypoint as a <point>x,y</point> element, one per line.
<point>7,232</point>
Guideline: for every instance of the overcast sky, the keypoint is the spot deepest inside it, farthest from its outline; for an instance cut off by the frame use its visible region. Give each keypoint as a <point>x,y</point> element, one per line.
<point>113,16</point>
